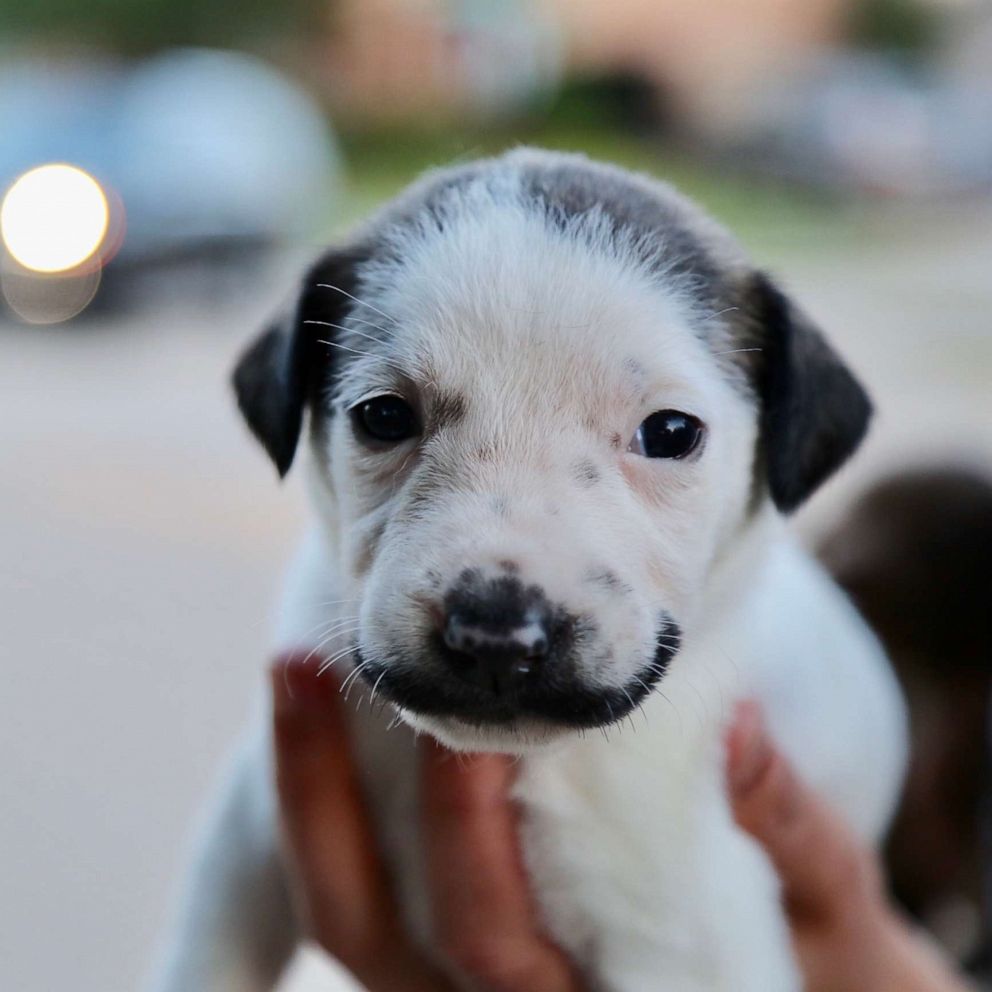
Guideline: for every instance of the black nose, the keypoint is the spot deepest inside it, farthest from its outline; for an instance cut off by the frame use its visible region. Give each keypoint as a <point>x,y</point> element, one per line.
<point>496,656</point>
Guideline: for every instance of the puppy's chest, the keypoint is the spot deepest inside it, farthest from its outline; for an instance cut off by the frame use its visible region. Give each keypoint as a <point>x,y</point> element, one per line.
<point>610,838</point>
<point>611,833</point>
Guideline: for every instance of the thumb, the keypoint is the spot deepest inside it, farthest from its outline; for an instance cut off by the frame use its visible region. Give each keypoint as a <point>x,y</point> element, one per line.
<point>822,865</point>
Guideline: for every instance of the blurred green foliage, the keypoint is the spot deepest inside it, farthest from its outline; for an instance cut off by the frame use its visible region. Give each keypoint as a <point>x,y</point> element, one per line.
<point>134,27</point>
<point>620,100</point>
<point>906,27</point>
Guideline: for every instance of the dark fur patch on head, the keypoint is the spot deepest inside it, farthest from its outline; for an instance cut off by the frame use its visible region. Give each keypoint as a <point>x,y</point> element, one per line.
<point>616,440</point>
<point>571,187</point>
<point>674,240</point>
<point>585,473</point>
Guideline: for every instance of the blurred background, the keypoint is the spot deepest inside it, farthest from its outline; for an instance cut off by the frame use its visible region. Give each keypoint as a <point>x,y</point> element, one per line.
<point>166,166</point>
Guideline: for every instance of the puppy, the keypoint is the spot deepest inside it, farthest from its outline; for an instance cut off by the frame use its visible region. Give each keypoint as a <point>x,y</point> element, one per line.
<point>554,419</point>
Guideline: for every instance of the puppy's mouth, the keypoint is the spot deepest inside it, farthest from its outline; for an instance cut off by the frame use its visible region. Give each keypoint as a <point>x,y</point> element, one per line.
<point>557,697</point>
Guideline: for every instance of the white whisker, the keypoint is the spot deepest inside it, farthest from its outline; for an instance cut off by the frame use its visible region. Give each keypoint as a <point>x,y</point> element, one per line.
<point>675,709</point>
<point>347,330</point>
<point>329,633</point>
<point>375,687</point>
<point>369,323</point>
<point>350,678</point>
<point>335,658</point>
<point>720,313</point>
<point>319,645</point>
<point>340,622</point>
<point>338,289</point>
<point>632,706</point>
<point>362,354</point>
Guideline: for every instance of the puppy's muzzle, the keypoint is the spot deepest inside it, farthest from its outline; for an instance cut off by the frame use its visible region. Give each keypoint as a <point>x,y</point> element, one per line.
<point>496,650</point>
<point>492,646</point>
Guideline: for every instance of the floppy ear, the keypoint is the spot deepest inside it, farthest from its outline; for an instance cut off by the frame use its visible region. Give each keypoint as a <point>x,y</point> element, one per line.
<point>814,411</point>
<point>282,370</point>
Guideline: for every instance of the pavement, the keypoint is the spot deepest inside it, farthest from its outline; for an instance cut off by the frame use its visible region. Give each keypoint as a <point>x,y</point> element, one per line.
<point>142,537</point>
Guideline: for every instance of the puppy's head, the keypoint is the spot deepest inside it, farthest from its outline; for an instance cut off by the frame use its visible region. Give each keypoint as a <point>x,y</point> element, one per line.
<point>545,399</point>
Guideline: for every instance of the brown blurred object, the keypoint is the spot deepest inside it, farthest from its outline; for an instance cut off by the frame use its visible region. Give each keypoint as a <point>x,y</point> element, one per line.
<point>707,58</point>
<point>386,62</point>
<point>915,555</point>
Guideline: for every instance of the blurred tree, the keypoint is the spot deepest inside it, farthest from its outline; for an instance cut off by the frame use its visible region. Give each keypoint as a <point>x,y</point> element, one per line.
<point>135,27</point>
<point>620,99</point>
<point>907,27</point>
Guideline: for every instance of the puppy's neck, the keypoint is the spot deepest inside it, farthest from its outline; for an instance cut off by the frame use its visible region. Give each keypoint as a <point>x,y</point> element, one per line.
<point>732,573</point>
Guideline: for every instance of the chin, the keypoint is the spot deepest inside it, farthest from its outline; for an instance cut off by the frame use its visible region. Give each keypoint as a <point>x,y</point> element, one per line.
<point>525,735</point>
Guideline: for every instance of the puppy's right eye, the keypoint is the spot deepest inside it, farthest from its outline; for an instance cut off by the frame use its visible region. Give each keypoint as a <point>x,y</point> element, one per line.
<point>386,418</point>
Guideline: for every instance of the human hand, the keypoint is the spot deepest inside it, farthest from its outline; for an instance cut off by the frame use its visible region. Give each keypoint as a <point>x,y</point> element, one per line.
<point>484,919</point>
<point>847,936</point>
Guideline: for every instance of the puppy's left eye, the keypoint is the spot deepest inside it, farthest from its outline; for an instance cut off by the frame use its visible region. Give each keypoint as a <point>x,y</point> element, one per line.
<point>385,418</point>
<point>667,434</point>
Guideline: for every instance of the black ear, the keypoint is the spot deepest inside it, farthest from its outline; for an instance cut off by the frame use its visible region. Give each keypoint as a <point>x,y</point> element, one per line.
<point>815,413</point>
<point>283,369</point>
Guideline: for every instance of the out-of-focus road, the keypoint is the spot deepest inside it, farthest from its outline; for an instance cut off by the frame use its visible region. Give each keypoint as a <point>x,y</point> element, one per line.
<point>141,540</point>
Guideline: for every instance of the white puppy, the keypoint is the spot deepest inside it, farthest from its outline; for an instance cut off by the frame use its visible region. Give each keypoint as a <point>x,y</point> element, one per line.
<point>554,418</point>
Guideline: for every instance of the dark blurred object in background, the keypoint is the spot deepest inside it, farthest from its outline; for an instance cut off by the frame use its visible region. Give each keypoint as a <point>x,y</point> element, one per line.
<point>915,554</point>
<point>429,64</point>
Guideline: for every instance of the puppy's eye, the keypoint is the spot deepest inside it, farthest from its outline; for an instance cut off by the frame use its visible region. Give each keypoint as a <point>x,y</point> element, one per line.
<point>667,434</point>
<point>386,418</point>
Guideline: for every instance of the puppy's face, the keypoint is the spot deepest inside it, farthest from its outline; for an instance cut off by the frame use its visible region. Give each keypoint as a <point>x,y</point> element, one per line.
<point>539,430</point>
<point>534,467</point>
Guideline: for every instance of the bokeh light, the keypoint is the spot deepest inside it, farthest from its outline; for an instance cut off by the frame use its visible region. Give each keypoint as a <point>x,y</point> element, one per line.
<point>54,217</point>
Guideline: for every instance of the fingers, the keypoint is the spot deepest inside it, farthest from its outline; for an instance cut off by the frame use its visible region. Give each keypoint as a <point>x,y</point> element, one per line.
<point>823,867</point>
<point>484,917</point>
<point>341,888</point>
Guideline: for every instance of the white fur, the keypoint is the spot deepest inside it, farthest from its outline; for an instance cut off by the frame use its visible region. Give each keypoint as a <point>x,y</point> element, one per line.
<point>558,341</point>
